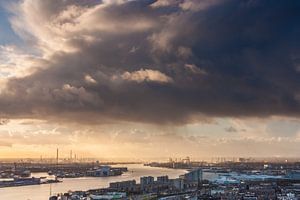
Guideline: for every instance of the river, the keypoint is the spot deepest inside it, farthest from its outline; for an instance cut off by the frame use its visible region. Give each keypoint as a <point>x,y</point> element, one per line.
<point>42,192</point>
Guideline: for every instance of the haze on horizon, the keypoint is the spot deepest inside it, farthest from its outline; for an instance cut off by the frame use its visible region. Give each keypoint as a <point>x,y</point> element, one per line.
<point>146,78</point>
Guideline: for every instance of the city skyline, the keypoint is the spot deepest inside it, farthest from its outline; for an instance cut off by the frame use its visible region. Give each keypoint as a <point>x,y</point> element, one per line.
<point>129,79</point>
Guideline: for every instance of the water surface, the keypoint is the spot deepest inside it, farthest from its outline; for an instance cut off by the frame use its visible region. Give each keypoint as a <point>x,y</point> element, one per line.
<point>42,192</point>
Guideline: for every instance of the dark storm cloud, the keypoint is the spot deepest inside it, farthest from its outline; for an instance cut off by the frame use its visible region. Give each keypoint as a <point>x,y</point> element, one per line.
<point>168,61</point>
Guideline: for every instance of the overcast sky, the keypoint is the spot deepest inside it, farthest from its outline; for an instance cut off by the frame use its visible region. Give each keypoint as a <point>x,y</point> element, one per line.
<point>144,78</point>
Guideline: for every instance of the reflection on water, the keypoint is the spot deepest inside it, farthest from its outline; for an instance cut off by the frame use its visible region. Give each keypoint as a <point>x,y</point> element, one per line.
<point>42,192</point>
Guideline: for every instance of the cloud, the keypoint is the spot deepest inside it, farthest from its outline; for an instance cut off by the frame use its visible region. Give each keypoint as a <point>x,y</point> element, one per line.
<point>164,3</point>
<point>15,62</point>
<point>283,128</point>
<point>146,75</point>
<point>204,58</point>
<point>190,5</point>
<point>231,129</point>
<point>198,5</point>
<point>57,25</point>
<point>141,140</point>
<point>4,121</point>
<point>195,69</point>
<point>5,144</point>
<point>90,79</point>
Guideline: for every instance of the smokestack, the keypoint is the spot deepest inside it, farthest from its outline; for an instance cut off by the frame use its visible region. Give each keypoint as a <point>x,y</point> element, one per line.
<point>57,156</point>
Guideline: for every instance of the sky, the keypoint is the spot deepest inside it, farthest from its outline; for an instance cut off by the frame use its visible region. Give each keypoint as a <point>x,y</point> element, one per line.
<point>145,79</point>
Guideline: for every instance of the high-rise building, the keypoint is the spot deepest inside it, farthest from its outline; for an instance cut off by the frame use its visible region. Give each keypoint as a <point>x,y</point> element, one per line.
<point>146,180</point>
<point>193,176</point>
